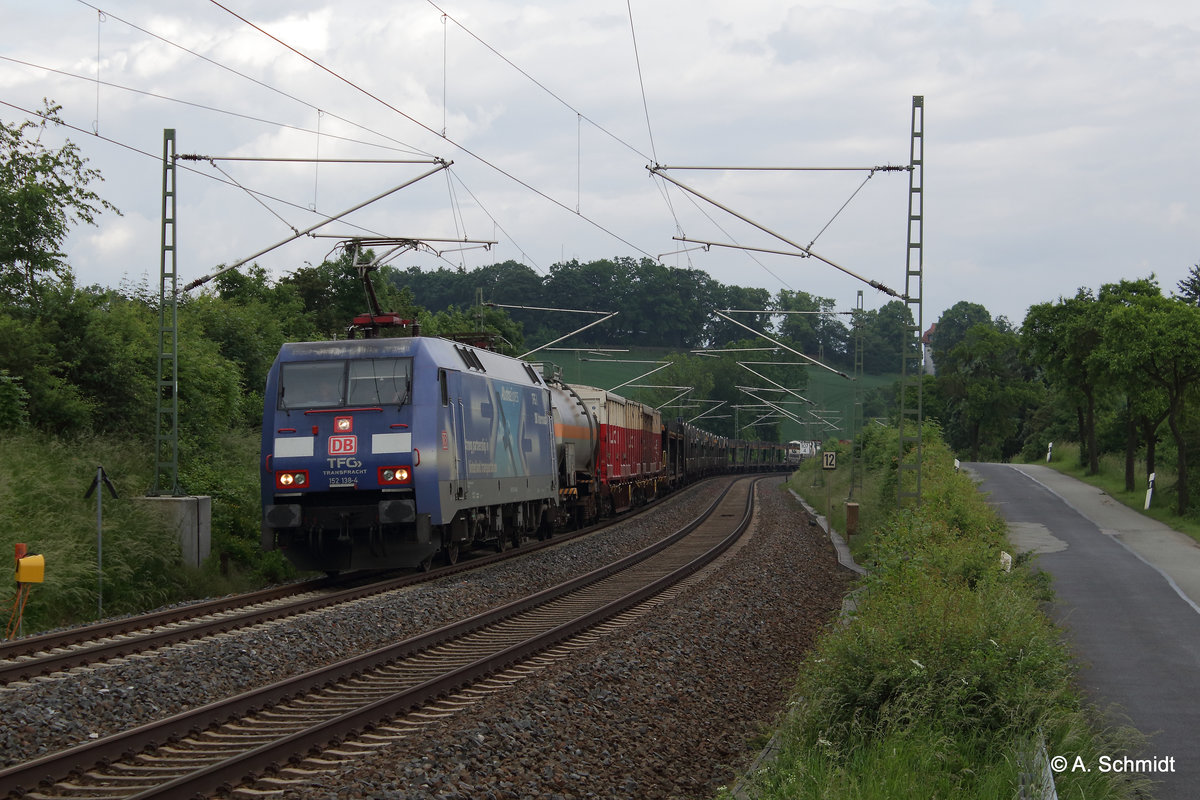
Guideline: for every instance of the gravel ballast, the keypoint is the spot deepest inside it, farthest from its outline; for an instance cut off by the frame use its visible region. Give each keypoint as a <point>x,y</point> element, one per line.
<point>674,706</point>
<point>669,706</point>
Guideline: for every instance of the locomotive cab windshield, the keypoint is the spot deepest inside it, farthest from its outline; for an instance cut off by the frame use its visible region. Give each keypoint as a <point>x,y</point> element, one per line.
<point>340,383</point>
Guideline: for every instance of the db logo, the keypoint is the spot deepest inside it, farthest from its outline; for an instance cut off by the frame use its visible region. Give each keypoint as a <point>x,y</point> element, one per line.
<point>343,445</point>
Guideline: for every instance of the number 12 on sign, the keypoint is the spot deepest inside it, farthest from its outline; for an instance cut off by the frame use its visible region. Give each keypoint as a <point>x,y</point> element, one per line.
<point>829,460</point>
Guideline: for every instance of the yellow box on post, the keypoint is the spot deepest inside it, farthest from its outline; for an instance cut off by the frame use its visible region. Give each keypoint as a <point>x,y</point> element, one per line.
<point>31,569</point>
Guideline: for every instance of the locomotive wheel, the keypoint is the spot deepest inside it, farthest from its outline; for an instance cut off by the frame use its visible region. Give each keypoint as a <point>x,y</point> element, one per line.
<point>451,552</point>
<point>427,564</point>
<point>501,543</point>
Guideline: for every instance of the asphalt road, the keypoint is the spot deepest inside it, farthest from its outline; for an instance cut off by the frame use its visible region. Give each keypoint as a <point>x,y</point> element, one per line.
<point>1127,591</point>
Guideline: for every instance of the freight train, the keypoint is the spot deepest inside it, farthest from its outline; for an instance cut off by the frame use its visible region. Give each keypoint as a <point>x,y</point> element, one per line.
<point>390,452</point>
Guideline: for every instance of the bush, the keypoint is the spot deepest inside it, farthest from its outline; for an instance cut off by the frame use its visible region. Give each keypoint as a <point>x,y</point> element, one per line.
<point>42,483</point>
<point>948,672</point>
<point>42,486</point>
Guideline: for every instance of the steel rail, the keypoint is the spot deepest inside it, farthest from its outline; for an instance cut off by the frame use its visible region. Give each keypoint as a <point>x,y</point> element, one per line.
<point>22,778</point>
<point>29,645</point>
<point>227,774</point>
<point>64,650</point>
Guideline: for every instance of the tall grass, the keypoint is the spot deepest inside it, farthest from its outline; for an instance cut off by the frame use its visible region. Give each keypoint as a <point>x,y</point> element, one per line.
<point>948,671</point>
<point>42,484</point>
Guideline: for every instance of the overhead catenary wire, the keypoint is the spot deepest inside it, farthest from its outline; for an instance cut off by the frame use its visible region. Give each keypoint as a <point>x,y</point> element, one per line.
<point>641,80</point>
<point>425,127</point>
<point>156,156</point>
<point>880,168</point>
<point>244,76</point>
<point>784,346</point>
<point>310,229</point>
<point>581,117</point>
<point>719,227</point>
<point>875,284</point>
<point>320,111</point>
<point>228,179</point>
<point>536,82</point>
<point>540,308</point>
<point>214,109</point>
<point>569,335</point>
<point>776,384</point>
<point>359,88</point>
<point>255,197</point>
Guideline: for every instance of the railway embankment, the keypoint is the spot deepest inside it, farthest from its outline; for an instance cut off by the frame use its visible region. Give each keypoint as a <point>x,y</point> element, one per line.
<point>948,680</point>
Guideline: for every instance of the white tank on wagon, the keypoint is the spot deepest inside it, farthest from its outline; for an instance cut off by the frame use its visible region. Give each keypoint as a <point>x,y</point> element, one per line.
<point>576,432</point>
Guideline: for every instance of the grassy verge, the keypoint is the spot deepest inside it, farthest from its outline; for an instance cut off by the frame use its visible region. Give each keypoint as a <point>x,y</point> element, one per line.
<point>42,484</point>
<point>948,673</point>
<point>1111,479</point>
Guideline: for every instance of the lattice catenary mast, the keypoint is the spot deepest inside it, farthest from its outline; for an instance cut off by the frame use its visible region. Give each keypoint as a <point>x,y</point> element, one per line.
<point>911,361</point>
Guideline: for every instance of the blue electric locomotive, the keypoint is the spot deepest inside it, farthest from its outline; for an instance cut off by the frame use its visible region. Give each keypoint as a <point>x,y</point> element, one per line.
<point>381,452</point>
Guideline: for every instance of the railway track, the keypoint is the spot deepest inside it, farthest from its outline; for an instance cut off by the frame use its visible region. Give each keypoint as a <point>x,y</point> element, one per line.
<point>378,694</point>
<point>61,651</point>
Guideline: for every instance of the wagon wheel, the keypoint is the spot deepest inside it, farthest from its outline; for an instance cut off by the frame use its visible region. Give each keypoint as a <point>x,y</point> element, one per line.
<point>501,542</point>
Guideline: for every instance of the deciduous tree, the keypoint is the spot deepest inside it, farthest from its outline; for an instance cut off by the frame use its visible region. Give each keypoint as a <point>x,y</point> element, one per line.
<point>43,191</point>
<point>1061,338</point>
<point>1159,338</point>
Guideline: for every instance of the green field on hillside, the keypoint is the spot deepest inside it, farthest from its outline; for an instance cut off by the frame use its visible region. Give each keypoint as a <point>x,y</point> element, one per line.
<point>832,395</point>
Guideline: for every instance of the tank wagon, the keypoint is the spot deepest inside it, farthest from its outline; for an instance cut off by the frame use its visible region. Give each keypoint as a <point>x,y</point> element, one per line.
<point>386,452</point>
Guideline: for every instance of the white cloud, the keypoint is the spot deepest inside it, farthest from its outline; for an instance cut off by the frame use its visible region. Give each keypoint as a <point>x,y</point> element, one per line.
<point>1058,135</point>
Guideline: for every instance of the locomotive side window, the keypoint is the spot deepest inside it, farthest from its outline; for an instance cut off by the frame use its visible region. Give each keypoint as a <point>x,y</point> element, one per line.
<point>445,387</point>
<point>312,384</point>
<point>379,381</point>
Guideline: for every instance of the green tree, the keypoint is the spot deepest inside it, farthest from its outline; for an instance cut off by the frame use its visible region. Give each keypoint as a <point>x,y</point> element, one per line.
<point>987,394</point>
<point>43,192</point>
<point>952,328</point>
<point>509,283</point>
<point>478,325</point>
<point>884,332</point>
<point>1145,407</point>
<point>669,306</point>
<point>1061,339</point>
<point>1189,287</point>
<point>249,317</point>
<point>333,294</point>
<point>596,286</point>
<point>720,332</point>
<point>1159,338</point>
<point>14,402</point>
<point>814,326</point>
<point>32,353</point>
<point>686,371</point>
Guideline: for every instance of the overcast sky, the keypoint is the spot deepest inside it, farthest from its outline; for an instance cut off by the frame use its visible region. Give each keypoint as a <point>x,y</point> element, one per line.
<point>1060,137</point>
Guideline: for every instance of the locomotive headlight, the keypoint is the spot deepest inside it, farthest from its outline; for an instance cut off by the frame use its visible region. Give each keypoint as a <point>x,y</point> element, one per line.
<point>291,480</point>
<point>343,424</point>
<point>394,475</point>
